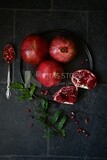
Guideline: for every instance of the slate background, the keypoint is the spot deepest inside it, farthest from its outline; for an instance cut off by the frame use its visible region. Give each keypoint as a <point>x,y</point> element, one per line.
<point>86,18</point>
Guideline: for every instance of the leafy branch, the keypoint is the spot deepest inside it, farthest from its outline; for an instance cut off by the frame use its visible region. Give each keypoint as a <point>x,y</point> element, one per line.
<point>56,120</point>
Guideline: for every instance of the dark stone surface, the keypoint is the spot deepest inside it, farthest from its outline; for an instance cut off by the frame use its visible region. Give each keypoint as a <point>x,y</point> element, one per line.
<point>16,138</point>
<point>80,5</point>
<point>92,104</point>
<point>33,4</point>
<point>97,143</point>
<point>6,36</point>
<point>40,158</point>
<point>98,43</point>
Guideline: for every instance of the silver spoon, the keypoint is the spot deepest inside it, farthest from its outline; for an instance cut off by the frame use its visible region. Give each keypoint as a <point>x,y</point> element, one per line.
<point>8,56</point>
<point>8,92</point>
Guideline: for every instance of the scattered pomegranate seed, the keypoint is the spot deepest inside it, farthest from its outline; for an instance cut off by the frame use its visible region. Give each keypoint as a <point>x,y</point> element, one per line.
<point>79,130</point>
<point>87,134</point>
<point>72,117</point>
<point>31,125</point>
<point>41,92</point>
<point>86,120</point>
<point>83,131</point>
<point>28,110</point>
<point>76,122</point>
<point>45,92</point>
<point>72,113</point>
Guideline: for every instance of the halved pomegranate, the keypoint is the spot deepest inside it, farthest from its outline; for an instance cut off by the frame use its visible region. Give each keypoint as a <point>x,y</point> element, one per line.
<point>84,79</point>
<point>66,95</point>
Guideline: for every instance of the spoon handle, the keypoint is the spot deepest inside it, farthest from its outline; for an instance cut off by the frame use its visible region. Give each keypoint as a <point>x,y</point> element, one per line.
<point>8,92</point>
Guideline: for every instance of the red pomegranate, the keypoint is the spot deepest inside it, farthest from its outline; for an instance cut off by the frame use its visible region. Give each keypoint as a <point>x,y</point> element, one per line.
<point>34,49</point>
<point>66,95</point>
<point>49,73</point>
<point>62,49</point>
<point>84,79</point>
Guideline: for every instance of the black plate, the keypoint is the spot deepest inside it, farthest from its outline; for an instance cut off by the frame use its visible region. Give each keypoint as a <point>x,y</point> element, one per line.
<point>83,60</point>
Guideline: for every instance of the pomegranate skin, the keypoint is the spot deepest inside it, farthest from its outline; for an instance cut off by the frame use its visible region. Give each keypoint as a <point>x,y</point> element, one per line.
<point>62,49</point>
<point>49,73</point>
<point>34,49</point>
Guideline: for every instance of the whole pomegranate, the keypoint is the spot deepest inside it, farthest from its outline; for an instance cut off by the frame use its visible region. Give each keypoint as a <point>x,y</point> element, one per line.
<point>62,49</point>
<point>34,49</point>
<point>49,73</point>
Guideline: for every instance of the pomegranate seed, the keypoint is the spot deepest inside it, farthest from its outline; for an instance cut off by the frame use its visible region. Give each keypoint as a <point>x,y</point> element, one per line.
<point>28,110</point>
<point>72,117</point>
<point>72,113</point>
<point>79,130</point>
<point>46,92</point>
<point>76,122</point>
<point>87,134</point>
<point>42,92</point>
<point>31,125</point>
<point>83,131</point>
<point>86,120</point>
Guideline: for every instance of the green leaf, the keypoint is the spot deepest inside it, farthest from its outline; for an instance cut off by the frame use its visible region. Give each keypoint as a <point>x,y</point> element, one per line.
<point>62,122</point>
<point>22,97</point>
<point>44,104</point>
<point>56,116</point>
<point>32,89</point>
<point>63,132</point>
<point>17,85</point>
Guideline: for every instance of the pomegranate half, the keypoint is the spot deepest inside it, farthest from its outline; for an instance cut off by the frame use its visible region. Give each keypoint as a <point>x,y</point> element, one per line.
<point>66,95</point>
<point>84,79</point>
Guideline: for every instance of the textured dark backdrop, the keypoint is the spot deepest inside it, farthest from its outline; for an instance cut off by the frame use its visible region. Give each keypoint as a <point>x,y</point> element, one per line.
<point>86,18</point>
